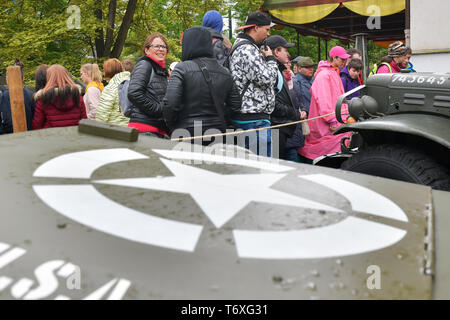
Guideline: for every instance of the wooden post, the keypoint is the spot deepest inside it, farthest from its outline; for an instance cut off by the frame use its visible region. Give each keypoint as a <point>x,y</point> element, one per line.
<point>19,119</point>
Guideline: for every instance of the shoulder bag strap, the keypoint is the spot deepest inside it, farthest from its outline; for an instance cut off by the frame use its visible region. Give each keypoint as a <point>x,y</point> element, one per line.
<point>208,80</point>
<point>241,43</point>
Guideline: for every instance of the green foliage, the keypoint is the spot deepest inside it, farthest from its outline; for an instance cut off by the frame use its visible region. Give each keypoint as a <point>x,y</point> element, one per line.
<point>375,53</point>
<point>37,32</point>
<point>170,18</point>
<point>243,8</point>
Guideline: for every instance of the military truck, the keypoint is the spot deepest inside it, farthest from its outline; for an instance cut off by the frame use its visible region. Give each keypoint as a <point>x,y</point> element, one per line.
<point>401,125</point>
<point>98,212</point>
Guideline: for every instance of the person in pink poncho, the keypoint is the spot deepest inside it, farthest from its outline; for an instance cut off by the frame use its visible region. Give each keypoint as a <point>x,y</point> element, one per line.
<point>326,90</point>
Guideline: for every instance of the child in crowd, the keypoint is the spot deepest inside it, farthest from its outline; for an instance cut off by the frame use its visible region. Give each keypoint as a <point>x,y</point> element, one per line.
<point>92,77</point>
<point>128,65</point>
<point>350,75</point>
<point>108,108</point>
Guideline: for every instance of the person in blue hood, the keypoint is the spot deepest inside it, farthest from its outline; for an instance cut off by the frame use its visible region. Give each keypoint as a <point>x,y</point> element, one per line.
<point>192,102</point>
<point>214,22</point>
<point>213,19</point>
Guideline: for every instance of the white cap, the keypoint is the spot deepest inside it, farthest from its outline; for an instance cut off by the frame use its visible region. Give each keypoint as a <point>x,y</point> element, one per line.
<point>173,65</point>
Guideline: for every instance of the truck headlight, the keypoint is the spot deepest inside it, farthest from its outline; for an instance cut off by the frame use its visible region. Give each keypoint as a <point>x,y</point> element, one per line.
<point>365,107</point>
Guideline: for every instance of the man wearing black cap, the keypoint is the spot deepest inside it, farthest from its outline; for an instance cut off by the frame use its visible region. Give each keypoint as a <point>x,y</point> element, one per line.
<point>285,111</point>
<point>254,70</point>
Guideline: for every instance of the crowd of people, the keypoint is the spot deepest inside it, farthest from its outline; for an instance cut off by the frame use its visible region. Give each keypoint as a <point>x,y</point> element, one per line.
<point>217,85</point>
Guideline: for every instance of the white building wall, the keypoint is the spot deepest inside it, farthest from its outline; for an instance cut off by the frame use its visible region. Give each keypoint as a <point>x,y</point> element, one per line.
<point>430,35</point>
<point>430,25</point>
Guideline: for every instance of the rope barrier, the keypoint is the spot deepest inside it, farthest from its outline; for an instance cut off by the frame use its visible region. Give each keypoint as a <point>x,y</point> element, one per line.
<point>251,130</point>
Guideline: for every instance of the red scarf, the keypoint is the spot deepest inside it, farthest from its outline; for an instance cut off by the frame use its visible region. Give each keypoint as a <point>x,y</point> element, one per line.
<point>162,64</point>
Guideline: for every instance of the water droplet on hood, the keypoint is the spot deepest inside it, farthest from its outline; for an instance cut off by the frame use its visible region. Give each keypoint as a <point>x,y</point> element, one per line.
<point>315,273</point>
<point>311,286</point>
<point>215,287</point>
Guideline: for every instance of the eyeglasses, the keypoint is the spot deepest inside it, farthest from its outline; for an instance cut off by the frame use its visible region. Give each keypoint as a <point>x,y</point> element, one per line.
<point>159,46</point>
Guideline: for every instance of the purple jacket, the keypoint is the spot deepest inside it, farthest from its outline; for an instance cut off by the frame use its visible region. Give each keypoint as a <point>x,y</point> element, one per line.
<point>349,83</point>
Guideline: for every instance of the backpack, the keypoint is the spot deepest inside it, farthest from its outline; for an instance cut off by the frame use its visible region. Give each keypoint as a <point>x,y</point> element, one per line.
<point>375,68</point>
<point>226,64</point>
<point>220,51</point>
<point>124,102</point>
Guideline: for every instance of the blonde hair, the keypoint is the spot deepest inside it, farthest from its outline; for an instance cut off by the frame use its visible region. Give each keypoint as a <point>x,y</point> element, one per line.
<point>93,71</point>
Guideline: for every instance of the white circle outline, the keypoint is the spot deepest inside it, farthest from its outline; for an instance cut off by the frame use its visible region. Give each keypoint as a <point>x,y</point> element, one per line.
<point>350,236</point>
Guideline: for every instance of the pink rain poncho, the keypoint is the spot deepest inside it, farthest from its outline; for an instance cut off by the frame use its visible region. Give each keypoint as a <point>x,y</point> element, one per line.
<point>326,90</point>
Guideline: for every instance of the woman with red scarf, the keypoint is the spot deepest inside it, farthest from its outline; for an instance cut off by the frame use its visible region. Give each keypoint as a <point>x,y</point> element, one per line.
<point>148,85</point>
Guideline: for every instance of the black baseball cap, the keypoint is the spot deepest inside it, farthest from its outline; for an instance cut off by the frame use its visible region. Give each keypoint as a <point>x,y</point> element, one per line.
<point>257,18</point>
<point>276,41</point>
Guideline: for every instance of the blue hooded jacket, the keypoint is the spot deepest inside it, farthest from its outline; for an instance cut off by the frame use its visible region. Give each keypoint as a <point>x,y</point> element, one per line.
<point>297,140</point>
<point>213,19</point>
<point>304,87</point>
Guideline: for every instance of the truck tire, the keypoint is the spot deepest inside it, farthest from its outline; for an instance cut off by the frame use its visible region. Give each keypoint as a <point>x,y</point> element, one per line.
<point>399,162</point>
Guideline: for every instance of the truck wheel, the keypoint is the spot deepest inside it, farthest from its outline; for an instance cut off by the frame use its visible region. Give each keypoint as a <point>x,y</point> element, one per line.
<point>400,163</point>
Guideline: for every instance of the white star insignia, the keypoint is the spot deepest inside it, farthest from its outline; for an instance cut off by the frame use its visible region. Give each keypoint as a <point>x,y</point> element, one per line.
<point>221,197</point>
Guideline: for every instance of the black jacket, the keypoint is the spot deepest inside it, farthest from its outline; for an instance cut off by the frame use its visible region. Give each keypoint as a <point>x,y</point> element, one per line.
<point>188,97</point>
<point>145,95</point>
<point>6,125</point>
<point>284,111</point>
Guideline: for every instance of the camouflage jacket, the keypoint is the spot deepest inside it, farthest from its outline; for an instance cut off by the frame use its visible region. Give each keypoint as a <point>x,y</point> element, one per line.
<point>248,66</point>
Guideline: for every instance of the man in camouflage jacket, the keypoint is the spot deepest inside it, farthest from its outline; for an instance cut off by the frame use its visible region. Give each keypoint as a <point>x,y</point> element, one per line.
<point>255,73</point>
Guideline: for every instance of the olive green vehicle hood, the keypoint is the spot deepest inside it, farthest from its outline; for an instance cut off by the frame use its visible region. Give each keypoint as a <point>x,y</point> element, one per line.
<point>428,126</point>
<point>85,217</point>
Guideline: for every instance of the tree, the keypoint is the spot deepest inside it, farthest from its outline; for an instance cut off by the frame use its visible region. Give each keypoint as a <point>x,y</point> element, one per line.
<point>37,32</point>
<point>41,32</point>
<point>104,40</point>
